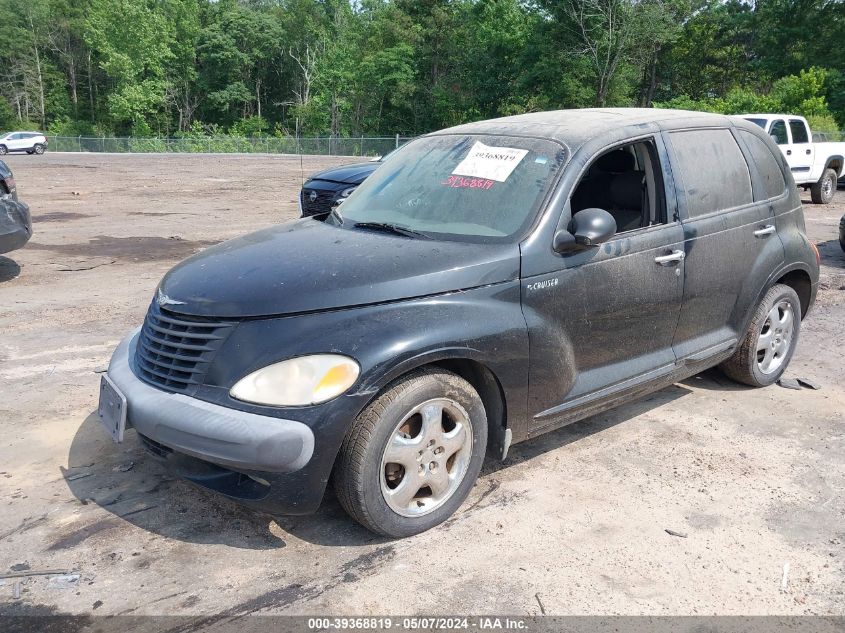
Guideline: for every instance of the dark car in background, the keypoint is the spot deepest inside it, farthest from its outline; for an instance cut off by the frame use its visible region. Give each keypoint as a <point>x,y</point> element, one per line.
<point>842,232</point>
<point>327,188</point>
<point>8,189</point>
<point>15,220</point>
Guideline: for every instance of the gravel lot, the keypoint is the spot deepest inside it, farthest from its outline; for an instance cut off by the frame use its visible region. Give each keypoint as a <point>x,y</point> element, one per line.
<point>574,521</point>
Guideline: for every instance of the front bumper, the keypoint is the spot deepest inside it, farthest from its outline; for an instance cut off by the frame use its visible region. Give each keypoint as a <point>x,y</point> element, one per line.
<point>233,439</point>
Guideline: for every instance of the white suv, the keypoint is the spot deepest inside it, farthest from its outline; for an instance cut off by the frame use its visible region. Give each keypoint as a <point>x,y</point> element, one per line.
<point>29,142</point>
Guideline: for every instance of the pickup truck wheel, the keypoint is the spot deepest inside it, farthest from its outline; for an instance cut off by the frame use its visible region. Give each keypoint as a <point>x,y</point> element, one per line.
<point>770,340</point>
<point>822,191</point>
<point>411,457</point>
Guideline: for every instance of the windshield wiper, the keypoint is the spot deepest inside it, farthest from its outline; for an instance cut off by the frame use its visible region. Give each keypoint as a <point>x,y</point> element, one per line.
<point>388,227</point>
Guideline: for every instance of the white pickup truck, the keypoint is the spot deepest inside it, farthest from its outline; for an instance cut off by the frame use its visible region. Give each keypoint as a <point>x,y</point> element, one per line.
<point>814,166</point>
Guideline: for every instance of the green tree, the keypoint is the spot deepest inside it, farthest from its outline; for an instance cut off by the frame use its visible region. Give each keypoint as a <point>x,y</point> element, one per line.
<point>133,51</point>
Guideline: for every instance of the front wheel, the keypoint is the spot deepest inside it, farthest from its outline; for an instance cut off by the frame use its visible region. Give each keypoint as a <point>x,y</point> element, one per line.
<point>38,149</point>
<point>770,340</point>
<point>822,191</point>
<point>3,150</point>
<point>411,457</point>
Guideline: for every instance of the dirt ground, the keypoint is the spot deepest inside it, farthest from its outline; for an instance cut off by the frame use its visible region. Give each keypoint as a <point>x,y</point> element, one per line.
<point>572,523</point>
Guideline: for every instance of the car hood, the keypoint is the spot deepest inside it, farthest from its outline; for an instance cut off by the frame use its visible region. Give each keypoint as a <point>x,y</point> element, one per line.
<point>307,265</point>
<point>353,174</point>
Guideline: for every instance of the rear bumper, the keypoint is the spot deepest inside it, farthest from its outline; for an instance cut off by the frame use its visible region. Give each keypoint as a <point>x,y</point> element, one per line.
<point>212,433</point>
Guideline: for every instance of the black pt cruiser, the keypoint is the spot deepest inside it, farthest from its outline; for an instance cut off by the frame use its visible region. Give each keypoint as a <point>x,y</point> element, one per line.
<point>489,283</point>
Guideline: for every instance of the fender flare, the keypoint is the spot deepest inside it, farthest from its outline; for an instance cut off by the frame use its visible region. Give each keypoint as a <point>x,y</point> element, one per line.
<point>830,159</point>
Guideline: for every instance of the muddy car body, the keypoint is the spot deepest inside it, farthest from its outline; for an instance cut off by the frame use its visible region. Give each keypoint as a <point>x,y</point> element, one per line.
<point>547,267</point>
<point>15,219</point>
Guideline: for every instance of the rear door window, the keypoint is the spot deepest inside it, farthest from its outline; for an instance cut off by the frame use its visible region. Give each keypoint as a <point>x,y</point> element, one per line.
<point>767,165</point>
<point>799,131</point>
<point>713,171</point>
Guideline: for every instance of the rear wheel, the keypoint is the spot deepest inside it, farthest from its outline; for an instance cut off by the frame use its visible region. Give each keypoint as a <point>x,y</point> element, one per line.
<point>822,191</point>
<point>842,232</point>
<point>412,456</point>
<point>38,149</point>
<point>770,340</point>
<point>3,150</point>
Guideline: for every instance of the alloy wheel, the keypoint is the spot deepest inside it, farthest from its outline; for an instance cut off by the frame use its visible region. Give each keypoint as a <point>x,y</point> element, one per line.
<point>426,457</point>
<point>775,338</point>
<point>827,187</point>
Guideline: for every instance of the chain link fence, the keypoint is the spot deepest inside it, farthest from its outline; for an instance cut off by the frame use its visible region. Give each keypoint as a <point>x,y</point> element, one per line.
<point>323,145</point>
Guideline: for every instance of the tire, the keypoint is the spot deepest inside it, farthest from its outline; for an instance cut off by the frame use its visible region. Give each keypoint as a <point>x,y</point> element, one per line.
<point>842,233</point>
<point>822,192</point>
<point>755,362</point>
<point>3,150</point>
<point>38,149</point>
<point>365,479</point>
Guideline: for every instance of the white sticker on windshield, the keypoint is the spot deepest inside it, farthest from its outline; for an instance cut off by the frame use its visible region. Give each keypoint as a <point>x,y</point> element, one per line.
<point>494,163</point>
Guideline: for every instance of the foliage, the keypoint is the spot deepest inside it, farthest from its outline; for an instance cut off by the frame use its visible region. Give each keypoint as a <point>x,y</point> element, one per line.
<point>194,69</point>
<point>250,127</point>
<point>802,94</point>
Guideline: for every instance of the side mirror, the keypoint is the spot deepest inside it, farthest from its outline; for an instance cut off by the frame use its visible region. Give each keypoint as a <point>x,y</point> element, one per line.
<point>589,227</point>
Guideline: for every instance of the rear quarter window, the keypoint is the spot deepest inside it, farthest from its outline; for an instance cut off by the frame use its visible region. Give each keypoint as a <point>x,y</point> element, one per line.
<point>768,168</point>
<point>714,174</point>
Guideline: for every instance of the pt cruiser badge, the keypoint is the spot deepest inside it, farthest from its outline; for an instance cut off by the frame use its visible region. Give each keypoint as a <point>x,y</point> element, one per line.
<point>540,285</point>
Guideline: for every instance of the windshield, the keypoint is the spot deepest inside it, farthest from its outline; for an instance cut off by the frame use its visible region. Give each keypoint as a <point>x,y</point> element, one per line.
<point>760,122</point>
<point>465,187</point>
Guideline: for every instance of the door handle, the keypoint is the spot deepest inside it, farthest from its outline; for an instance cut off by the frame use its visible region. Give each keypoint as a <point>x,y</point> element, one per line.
<point>789,152</point>
<point>766,230</point>
<point>671,258</point>
<point>808,152</point>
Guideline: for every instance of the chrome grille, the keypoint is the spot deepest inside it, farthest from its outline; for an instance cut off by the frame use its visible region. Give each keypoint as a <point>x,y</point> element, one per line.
<point>174,351</point>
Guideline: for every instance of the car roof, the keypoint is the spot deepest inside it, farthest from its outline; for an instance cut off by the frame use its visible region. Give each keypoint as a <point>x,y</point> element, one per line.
<point>574,127</point>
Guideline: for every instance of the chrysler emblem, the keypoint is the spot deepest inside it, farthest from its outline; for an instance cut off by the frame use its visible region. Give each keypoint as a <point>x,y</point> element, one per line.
<point>163,300</point>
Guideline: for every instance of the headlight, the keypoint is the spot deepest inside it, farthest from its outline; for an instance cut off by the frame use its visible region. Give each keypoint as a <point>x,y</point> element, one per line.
<point>299,381</point>
<point>347,192</point>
